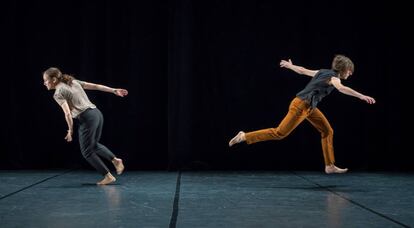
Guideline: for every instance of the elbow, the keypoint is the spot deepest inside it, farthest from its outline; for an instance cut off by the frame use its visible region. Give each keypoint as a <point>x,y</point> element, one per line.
<point>68,115</point>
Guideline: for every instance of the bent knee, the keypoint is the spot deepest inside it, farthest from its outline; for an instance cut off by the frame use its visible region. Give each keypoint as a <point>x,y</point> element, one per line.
<point>277,134</point>
<point>327,132</point>
<point>88,151</point>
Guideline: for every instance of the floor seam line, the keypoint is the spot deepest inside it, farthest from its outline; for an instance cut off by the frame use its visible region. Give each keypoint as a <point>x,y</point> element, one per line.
<point>174,214</point>
<point>32,185</point>
<point>352,201</point>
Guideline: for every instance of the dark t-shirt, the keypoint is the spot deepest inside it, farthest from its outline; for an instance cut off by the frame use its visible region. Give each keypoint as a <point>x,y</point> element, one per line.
<point>318,87</point>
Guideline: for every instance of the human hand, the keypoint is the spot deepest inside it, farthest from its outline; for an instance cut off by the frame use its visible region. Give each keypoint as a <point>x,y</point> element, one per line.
<point>68,137</point>
<point>121,92</point>
<point>286,64</point>
<point>368,99</point>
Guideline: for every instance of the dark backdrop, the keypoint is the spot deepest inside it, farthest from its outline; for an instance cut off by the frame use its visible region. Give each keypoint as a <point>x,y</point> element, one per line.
<point>115,43</point>
<point>200,71</point>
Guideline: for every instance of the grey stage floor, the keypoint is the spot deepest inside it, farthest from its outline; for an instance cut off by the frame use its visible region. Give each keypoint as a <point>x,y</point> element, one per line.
<point>206,199</point>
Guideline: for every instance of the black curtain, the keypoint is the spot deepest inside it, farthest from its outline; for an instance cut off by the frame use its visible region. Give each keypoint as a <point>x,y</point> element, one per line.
<point>224,76</point>
<point>115,43</point>
<point>200,71</point>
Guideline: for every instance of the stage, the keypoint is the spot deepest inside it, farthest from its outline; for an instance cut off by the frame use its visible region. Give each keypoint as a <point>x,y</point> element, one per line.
<point>70,198</point>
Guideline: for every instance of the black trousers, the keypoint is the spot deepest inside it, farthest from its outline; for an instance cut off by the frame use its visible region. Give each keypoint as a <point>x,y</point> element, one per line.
<point>89,131</point>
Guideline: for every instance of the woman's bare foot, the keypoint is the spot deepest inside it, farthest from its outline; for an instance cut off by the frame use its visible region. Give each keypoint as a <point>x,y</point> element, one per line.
<point>240,137</point>
<point>119,166</point>
<point>329,169</point>
<point>107,179</point>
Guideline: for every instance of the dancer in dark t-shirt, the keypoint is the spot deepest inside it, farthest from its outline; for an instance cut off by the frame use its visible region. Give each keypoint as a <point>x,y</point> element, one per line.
<point>304,106</point>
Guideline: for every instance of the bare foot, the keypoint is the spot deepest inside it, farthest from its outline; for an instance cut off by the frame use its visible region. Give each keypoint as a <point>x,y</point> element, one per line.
<point>119,166</point>
<point>240,137</point>
<point>329,169</point>
<point>107,179</point>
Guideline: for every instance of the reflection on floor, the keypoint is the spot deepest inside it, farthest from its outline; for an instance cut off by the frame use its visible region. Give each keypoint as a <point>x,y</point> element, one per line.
<point>206,199</point>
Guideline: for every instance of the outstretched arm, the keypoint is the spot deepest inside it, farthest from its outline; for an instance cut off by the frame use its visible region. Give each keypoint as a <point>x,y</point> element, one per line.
<point>69,120</point>
<point>348,91</point>
<point>93,86</point>
<point>298,69</point>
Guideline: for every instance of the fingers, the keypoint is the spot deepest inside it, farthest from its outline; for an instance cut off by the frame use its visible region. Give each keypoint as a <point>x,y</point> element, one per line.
<point>370,100</point>
<point>68,138</point>
<point>284,63</point>
<point>122,92</point>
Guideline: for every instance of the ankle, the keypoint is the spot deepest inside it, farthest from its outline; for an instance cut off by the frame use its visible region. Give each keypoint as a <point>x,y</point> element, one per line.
<point>107,179</point>
<point>243,136</point>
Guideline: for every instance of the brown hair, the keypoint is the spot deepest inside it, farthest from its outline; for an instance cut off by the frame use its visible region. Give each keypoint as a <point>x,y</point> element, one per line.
<point>54,72</point>
<point>341,64</point>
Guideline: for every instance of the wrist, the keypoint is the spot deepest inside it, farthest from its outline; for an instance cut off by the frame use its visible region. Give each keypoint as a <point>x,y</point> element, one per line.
<point>114,91</point>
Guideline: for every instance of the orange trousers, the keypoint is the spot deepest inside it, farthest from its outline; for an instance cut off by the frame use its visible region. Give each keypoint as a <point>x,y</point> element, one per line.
<point>299,110</point>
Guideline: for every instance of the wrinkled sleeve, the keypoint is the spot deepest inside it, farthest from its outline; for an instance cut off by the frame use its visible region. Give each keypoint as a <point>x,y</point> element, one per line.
<point>59,97</point>
<point>82,83</point>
